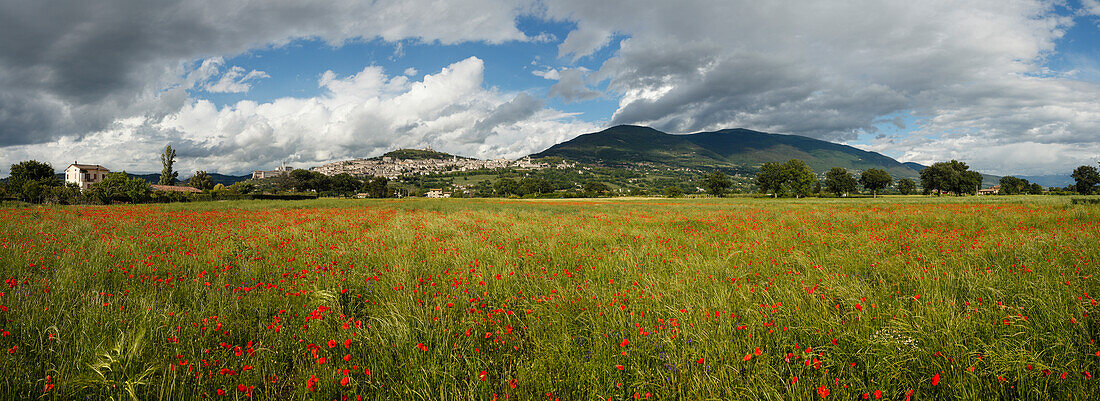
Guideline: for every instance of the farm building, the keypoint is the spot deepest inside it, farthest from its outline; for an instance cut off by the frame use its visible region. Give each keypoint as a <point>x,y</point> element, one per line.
<point>84,175</point>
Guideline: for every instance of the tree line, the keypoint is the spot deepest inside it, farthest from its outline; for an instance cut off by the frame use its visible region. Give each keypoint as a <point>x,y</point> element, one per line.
<point>36,182</point>
<point>795,178</point>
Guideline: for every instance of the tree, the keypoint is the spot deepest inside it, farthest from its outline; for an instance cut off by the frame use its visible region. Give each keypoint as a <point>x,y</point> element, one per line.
<point>377,187</point>
<point>839,181</point>
<point>167,159</point>
<point>63,195</point>
<point>306,180</point>
<point>717,183</point>
<point>771,178</point>
<point>596,188</point>
<point>1014,186</point>
<point>875,180</point>
<point>345,184</point>
<point>953,176</point>
<point>800,178</point>
<point>969,183</point>
<point>506,186</point>
<point>906,186</point>
<point>32,191</point>
<point>1086,178</point>
<point>22,173</point>
<point>534,185</point>
<point>673,191</point>
<point>483,189</point>
<point>242,187</point>
<point>1035,189</point>
<point>119,187</point>
<point>200,180</point>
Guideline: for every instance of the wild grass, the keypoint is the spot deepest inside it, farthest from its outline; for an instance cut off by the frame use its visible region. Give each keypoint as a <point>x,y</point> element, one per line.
<point>570,299</point>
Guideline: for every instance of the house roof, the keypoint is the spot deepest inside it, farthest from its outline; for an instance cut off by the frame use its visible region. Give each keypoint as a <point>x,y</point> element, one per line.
<point>174,188</point>
<point>88,167</point>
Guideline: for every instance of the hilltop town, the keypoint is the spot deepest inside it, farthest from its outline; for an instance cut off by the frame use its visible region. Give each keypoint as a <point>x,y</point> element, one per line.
<point>411,162</point>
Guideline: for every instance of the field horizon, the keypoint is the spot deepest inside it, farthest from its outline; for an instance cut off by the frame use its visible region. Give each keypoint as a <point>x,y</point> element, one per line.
<point>899,297</point>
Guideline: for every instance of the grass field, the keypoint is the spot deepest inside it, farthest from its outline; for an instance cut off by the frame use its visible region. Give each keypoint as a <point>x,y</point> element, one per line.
<point>892,298</point>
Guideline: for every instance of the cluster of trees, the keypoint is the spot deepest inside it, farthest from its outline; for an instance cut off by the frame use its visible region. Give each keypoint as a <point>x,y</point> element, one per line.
<point>793,178</point>
<point>337,185</point>
<point>31,180</point>
<point>953,176</point>
<point>840,182</point>
<point>1018,186</point>
<point>528,186</point>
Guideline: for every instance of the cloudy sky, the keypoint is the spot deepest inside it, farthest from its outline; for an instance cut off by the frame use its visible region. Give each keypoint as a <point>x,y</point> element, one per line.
<point>1009,86</point>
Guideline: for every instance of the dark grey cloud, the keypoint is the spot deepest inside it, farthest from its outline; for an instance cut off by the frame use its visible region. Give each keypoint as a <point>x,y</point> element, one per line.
<point>971,72</point>
<point>571,86</point>
<point>520,108</point>
<point>68,68</point>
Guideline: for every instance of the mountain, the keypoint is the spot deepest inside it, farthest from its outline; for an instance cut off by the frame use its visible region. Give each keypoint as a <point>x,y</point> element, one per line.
<point>915,166</point>
<point>738,149</point>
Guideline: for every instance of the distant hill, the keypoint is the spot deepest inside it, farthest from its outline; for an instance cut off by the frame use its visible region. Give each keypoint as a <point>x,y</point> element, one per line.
<point>418,154</point>
<point>915,166</point>
<point>730,148</point>
<point>1051,180</point>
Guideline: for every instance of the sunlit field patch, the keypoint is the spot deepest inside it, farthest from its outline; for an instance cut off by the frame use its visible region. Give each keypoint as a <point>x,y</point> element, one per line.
<point>895,298</point>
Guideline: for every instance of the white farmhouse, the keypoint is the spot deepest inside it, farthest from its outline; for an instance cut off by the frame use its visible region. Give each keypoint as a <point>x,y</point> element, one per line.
<point>84,175</point>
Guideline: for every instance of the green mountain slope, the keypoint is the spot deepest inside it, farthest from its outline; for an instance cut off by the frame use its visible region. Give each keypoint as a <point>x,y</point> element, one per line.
<point>737,149</point>
<point>418,154</point>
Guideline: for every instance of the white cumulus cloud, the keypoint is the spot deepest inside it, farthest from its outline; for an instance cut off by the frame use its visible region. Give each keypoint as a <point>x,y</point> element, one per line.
<point>361,115</point>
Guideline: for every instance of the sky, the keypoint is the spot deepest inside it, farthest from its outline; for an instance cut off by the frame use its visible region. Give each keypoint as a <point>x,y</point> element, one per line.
<point>1008,86</point>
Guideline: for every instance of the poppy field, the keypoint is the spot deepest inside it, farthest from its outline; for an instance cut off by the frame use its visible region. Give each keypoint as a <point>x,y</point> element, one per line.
<point>897,298</point>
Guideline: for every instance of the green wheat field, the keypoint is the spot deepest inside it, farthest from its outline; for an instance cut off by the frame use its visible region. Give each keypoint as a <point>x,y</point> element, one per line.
<point>975,298</point>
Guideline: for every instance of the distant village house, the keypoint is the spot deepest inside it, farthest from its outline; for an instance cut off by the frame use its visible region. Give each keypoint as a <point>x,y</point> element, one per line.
<point>84,175</point>
<point>437,193</point>
<point>996,189</point>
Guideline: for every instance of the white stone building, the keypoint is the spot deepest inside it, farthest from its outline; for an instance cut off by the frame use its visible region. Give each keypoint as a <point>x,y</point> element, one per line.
<point>84,175</point>
<point>437,193</point>
<point>282,170</point>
